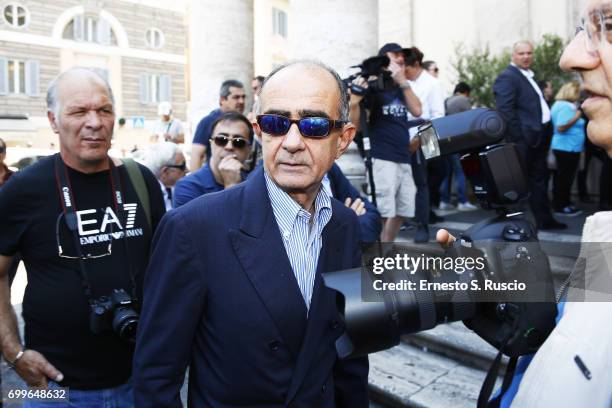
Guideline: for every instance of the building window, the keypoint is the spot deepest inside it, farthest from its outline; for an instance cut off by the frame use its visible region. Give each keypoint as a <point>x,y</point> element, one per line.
<point>155,88</point>
<point>90,28</point>
<point>279,22</point>
<point>19,77</point>
<point>16,15</point>
<point>155,38</point>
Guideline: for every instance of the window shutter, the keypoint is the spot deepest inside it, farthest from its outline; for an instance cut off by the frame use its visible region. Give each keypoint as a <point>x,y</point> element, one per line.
<point>78,28</point>
<point>104,32</point>
<point>144,88</point>
<point>31,79</point>
<point>3,76</point>
<point>165,88</point>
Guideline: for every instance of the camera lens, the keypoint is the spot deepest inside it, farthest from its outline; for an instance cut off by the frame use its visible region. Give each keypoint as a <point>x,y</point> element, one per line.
<point>125,322</point>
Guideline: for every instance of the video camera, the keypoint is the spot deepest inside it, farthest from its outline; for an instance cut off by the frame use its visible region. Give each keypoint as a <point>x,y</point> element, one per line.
<point>371,67</point>
<point>515,323</point>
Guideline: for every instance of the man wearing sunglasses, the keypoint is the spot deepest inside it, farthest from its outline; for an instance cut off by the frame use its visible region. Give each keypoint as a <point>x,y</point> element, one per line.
<point>235,288</point>
<point>232,98</point>
<point>231,141</point>
<point>167,162</point>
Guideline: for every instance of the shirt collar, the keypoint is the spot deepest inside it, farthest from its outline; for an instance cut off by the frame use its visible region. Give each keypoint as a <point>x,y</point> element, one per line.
<point>286,210</point>
<point>527,72</point>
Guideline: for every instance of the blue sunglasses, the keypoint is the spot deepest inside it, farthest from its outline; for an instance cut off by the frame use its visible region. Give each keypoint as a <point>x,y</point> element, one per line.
<point>313,127</point>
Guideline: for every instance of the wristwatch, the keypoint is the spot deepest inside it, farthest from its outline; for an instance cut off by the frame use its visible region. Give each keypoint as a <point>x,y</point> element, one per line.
<point>405,85</point>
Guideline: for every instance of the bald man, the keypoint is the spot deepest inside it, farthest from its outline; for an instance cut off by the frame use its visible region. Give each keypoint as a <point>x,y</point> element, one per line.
<point>77,220</point>
<point>519,100</point>
<point>235,290</point>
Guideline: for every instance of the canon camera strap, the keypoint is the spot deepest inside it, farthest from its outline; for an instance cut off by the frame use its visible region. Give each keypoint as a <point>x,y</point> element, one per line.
<point>69,210</point>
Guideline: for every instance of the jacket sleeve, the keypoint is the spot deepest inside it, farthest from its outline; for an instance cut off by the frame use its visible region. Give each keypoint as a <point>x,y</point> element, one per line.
<point>351,375</point>
<point>173,304</point>
<point>505,89</point>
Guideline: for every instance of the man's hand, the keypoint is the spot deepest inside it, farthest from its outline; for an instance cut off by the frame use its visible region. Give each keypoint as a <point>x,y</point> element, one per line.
<point>35,370</point>
<point>359,81</point>
<point>415,143</point>
<point>358,206</point>
<point>444,238</point>
<point>230,167</point>
<point>397,72</point>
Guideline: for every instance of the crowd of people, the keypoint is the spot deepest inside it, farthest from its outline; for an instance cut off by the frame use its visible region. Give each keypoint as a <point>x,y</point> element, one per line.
<point>138,272</point>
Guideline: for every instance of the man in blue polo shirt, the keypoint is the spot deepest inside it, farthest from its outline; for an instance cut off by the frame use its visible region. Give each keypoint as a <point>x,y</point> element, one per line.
<point>231,139</point>
<point>231,99</point>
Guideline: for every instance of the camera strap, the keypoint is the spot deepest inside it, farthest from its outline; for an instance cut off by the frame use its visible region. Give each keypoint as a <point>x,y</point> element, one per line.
<point>484,398</point>
<point>69,209</point>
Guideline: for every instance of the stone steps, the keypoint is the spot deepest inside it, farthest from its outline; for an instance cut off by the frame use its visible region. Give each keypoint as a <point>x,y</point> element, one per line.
<point>407,376</point>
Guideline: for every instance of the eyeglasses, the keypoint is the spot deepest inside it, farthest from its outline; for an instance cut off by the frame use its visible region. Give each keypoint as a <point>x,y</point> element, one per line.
<point>313,127</point>
<point>2,149</point>
<point>237,142</point>
<point>60,250</point>
<point>598,28</point>
<point>181,167</point>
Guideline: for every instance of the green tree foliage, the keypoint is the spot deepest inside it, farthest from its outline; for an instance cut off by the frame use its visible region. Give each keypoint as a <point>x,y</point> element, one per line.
<point>479,68</point>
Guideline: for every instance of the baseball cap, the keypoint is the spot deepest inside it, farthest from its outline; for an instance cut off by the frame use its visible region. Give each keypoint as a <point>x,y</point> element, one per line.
<point>164,108</point>
<point>389,47</point>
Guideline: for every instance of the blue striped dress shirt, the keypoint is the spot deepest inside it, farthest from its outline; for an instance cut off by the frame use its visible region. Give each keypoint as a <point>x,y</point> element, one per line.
<point>303,240</point>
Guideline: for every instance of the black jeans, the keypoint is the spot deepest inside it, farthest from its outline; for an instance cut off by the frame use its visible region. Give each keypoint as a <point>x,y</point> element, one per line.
<point>567,164</point>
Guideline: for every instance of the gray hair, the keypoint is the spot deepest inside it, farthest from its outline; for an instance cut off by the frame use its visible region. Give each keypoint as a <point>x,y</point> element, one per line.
<point>343,104</point>
<point>161,154</point>
<point>521,42</point>
<point>226,85</point>
<point>53,104</point>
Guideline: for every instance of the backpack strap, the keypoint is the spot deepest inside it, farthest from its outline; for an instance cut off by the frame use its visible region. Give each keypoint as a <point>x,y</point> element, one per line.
<point>140,186</point>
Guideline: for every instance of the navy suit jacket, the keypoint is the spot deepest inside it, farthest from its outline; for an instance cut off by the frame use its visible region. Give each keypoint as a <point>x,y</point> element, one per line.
<point>519,104</point>
<point>220,297</point>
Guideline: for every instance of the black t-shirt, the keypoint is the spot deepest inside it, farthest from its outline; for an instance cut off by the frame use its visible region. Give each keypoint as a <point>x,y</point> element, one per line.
<point>388,125</point>
<point>55,309</point>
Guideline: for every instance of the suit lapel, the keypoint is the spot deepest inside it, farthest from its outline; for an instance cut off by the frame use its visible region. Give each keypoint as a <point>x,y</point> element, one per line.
<point>319,314</point>
<point>262,255</point>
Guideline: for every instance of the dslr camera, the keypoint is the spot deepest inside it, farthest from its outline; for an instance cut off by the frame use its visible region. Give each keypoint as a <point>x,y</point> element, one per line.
<point>116,313</point>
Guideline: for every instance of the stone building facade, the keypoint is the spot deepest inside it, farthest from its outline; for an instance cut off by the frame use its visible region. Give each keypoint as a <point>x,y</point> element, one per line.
<point>139,48</point>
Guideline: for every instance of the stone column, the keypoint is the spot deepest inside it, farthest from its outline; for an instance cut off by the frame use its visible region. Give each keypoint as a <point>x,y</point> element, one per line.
<point>220,48</point>
<point>340,33</point>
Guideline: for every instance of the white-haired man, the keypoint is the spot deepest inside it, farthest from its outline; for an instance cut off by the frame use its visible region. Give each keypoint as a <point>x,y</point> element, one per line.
<point>167,162</point>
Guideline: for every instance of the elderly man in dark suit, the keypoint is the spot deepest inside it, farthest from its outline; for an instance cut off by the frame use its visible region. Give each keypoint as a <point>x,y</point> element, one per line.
<point>520,101</point>
<point>234,289</point>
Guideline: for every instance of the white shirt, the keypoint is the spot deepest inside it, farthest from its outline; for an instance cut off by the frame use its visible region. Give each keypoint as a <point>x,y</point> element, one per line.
<point>167,198</point>
<point>173,127</point>
<point>427,89</point>
<point>529,75</point>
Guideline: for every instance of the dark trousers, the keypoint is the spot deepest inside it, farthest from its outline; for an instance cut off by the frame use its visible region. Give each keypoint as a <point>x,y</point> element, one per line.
<point>437,170</point>
<point>419,174</point>
<point>567,163</point>
<point>605,186</point>
<point>534,159</point>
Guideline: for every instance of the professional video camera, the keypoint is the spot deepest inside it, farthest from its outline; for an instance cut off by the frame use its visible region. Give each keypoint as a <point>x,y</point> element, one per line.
<point>514,322</point>
<point>371,67</point>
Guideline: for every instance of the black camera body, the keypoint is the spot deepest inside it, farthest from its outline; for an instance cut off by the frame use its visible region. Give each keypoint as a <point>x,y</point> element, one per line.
<point>116,313</point>
<point>371,67</point>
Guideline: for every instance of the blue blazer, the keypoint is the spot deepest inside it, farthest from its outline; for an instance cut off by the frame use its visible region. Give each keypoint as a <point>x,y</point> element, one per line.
<point>519,104</point>
<point>220,297</point>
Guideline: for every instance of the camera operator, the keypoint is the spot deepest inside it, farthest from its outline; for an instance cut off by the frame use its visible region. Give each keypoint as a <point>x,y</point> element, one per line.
<point>82,222</point>
<point>388,129</point>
